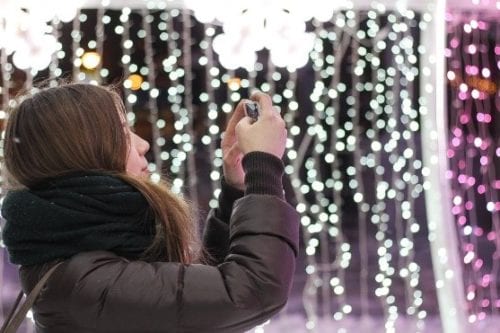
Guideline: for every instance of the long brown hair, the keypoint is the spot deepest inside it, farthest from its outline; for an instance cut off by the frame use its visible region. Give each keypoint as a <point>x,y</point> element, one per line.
<point>77,127</point>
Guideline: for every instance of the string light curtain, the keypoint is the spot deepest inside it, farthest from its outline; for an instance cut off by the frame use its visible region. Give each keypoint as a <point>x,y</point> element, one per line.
<point>354,164</point>
<point>473,64</point>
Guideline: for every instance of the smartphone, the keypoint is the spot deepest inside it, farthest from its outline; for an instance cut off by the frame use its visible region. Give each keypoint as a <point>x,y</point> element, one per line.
<point>252,110</point>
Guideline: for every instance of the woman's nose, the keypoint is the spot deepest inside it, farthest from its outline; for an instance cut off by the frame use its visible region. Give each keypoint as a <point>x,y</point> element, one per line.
<point>144,145</point>
<point>140,144</point>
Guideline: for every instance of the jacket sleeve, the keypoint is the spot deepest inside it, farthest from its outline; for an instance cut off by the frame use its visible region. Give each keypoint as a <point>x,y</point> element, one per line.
<point>216,230</point>
<point>252,284</point>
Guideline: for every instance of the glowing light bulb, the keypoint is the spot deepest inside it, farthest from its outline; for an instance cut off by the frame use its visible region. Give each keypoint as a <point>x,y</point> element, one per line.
<point>133,82</point>
<point>90,60</point>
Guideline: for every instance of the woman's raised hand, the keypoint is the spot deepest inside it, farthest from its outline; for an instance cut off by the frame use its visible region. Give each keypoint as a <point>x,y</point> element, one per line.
<point>244,135</point>
<point>267,134</point>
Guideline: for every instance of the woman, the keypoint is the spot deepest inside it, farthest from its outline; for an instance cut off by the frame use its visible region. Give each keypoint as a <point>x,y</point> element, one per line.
<point>131,261</point>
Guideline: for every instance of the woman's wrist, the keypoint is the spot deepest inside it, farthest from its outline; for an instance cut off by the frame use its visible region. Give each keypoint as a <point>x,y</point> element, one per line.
<point>227,196</point>
<point>263,174</point>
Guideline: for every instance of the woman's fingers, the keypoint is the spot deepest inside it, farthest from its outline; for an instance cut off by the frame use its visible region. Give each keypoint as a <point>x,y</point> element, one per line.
<point>265,103</point>
<point>268,134</point>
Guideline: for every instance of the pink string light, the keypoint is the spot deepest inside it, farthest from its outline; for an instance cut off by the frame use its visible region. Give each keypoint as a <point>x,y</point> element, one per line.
<point>473,60</point>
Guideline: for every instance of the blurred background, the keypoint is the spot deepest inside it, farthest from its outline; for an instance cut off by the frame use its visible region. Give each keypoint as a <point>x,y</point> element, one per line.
<point>392,110</point>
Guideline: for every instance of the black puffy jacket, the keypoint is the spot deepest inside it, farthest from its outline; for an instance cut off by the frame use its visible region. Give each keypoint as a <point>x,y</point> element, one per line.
<point>101,292</point>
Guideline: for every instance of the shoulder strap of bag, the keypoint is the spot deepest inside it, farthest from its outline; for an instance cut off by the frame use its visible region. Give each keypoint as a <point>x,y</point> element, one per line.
<point>15,318</point>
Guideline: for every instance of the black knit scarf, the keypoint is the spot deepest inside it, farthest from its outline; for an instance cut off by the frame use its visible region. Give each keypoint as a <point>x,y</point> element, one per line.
<point>76,213</point>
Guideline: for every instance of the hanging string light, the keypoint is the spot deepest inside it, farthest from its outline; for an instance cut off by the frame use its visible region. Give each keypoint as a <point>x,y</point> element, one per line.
<point>189,137</point>
<point>149,69</point>
<point>171,65</point>
<point>207,98</point>
<point>76,52</point>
